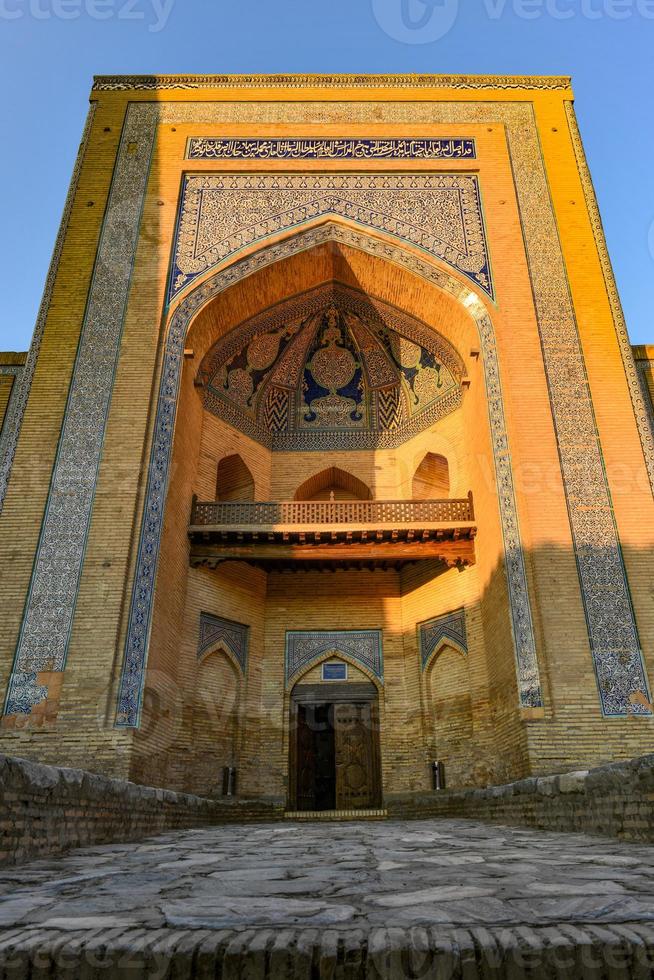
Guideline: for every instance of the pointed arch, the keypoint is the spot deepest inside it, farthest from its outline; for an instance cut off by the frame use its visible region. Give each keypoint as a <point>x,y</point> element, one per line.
<point>433,272</point>
<point>445,642</point>
<point>344,486</point>
<point>431,480</point>
<point>450,708</point>
<point>234,481</point>
<point>222,649</point>
<point>334,654</point>
<point>215,719</point>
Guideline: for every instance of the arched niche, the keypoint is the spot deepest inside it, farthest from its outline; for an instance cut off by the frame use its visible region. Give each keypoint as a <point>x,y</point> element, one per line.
<point>450,712</point>
<point>234,481</point>
<point>215,718</point>
<point>333,480</point>
<point>431,480</point>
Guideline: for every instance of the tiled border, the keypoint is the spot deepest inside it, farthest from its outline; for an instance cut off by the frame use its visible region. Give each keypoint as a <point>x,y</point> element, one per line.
<point>15,371</point>
<point>125,83</point>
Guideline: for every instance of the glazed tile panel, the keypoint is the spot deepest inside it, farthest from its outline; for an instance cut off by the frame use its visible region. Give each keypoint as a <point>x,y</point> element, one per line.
<point>362,646</point>
<point>215,630</point>
<point>432,633</point>
<point>212,148</point>
<point>220,215</point>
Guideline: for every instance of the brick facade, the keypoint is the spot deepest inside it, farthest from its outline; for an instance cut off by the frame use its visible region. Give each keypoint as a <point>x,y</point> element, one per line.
<point>522,598</point>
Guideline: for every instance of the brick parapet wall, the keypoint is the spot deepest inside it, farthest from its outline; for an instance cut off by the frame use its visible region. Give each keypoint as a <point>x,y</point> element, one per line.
<point>615,800</point>
<point>47,810</point>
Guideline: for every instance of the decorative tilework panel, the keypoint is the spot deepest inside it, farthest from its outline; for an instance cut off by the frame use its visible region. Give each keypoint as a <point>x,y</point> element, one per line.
<point>359,374</point>
<point>24,693</point>
<point>47,621</point>
<point>450,626</point>
<point>215,630</point>
<point>363,646</point>
<point>220,214</point>
<point>11,428</point>
<point>215,148</point>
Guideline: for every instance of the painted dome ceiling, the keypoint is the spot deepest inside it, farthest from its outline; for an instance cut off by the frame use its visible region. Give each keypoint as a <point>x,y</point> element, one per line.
<point>331,369</point>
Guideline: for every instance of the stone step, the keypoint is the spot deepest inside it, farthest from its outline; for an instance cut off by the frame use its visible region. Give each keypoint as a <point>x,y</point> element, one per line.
<point>335,815</point>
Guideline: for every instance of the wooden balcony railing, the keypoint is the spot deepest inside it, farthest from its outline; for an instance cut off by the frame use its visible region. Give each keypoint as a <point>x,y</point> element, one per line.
<point>375,513</point>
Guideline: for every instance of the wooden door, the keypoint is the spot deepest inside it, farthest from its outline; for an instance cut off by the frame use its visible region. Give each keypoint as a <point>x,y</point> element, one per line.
<point>305,762</point>
<point>357,779</point>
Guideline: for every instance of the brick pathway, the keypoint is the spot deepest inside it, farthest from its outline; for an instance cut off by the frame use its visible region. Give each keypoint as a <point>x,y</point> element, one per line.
<point>391,899</point>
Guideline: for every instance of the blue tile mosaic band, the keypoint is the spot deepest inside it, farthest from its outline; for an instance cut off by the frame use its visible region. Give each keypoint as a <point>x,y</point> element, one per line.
<point>433,632</point>
<point>221,214</point>
<point>216,148</point>
<point>214,631</point>
<point>362,646</point>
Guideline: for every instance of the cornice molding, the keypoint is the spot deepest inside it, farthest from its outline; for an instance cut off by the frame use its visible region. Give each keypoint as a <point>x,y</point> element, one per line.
<point>126,83</point>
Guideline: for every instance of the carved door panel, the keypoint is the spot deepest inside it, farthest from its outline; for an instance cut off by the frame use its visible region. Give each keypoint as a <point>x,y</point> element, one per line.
<point>305,763</point>
<point>356,769</point>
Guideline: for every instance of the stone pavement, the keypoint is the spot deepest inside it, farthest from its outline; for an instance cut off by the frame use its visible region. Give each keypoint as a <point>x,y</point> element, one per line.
<point>448,898</point>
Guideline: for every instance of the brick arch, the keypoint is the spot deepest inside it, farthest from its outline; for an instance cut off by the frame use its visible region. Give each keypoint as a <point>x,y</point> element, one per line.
<point>395,254</point>
<point>334,653</point>
<point>447,641</point>
<point>234,481</point>
<point>431,479</point>
<point>221,649</point>
<point>344,485</point>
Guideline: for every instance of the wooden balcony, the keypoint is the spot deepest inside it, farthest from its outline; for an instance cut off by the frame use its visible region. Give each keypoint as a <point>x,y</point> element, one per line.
<point>372,533</point>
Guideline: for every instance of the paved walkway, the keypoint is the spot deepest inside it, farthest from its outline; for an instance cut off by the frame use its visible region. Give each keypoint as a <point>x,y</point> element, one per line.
<point>362,899</point>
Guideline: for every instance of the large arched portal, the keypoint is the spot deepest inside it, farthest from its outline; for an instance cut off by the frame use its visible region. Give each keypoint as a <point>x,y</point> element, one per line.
<point>334,358</point>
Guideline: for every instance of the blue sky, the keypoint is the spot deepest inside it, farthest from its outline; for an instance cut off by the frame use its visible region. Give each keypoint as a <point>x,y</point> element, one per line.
<point>49,50</point>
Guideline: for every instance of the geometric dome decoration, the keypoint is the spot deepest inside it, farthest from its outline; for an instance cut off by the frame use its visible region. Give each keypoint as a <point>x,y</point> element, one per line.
<point>331,369</point>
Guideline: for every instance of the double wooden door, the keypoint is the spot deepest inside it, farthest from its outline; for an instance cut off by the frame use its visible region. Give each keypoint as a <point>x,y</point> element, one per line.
<point>336,756</point>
